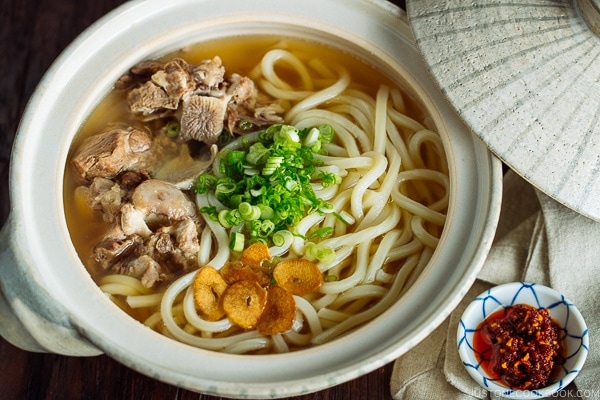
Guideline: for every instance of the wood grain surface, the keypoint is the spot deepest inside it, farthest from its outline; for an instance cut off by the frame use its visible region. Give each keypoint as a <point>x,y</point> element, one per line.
<point>32,34</point>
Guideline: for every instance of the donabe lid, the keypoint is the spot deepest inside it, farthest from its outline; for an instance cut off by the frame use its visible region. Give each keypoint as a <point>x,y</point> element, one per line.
<point>525,77</point>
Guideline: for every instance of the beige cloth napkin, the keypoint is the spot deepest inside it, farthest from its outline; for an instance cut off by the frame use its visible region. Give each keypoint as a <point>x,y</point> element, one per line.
<point>537,240</point>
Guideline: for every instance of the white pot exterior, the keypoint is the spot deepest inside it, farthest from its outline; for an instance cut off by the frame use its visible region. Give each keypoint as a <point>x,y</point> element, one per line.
<point>48,302</point>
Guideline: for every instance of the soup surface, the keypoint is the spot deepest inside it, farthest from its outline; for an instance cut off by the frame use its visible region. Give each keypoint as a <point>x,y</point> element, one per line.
<point>256,195</point>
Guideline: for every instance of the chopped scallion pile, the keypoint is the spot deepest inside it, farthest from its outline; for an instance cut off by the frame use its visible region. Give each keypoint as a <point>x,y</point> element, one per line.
<point>266,185</point>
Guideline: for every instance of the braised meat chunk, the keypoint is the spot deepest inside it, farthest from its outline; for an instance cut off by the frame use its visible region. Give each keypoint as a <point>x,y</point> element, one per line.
<point>200,96</point>
<point>175,78</point>
<point>209,76</point>
<point>106,197</point>
<point>160,88</point>
<point>154,197</point>
<point>154,234</point>
<point>149,99</point>
<point>202,118</point>
<point>110,152</point>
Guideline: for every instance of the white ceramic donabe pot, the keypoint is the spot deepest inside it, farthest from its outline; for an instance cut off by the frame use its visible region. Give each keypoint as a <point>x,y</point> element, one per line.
<point>48,300</point>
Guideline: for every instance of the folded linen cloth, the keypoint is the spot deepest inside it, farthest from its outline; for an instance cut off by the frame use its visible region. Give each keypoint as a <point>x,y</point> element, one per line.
<point>537,240</point>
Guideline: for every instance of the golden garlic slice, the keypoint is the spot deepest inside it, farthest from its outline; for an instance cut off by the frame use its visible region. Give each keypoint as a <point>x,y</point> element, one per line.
<point>255,254</point>
<point>235,271</point>
<point>209,286</point>
<point>279,313</point>
<point>244,302</point>
<point>298,276</point>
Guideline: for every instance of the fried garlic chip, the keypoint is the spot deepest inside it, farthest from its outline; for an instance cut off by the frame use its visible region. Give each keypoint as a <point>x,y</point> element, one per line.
<point>235,271</point>
<point>298,276</point>
<point>255,254</point>
<point>279,313</point>
<point>209,286</point>
<point>244,302</point>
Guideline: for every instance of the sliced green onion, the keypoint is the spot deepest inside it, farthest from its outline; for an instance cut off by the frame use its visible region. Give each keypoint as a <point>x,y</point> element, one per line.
<point>321,232</point>
<point>235,156</point>
<point>254,228</point>
<point>326,210</point>
<point>266,212</point>
<point>266,228</point>
<point>312,137</point>
<point>257,154</point>
<point>327,255</point>
<point>288,133</point>
<point>205,182</point>
<point>173,129</point>
<point>224,189</point>
<point>291,185</point>
<point>232,218</point>
<point>223,219</point>
<point>248,212</point>
<point>245,124</point>
<point>272,164</point>
<point>265,181</point>
<point>329,178</point>
<point>316,147</point>
<point>235,200</point>
<point>250,170</point>
<point>236,242</point>
<point>256,192</point>
<point>235,162</point>
<point>274,161</point>
<point>283,238</point>
<point>319,252</point>
<point>211,211</point>
<point>327,133</point>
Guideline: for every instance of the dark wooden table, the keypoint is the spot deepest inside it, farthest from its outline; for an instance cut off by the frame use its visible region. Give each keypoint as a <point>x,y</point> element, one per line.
<point>32,34</point>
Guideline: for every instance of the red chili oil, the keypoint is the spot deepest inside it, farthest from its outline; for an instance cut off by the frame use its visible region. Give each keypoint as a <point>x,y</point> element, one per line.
<point>521,346</point>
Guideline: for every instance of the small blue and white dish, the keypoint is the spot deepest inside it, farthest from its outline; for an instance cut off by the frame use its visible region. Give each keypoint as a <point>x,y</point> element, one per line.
<point>562,311</point>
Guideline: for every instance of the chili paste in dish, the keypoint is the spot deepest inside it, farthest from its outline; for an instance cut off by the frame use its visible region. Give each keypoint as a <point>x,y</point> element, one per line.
<point>521,346</point>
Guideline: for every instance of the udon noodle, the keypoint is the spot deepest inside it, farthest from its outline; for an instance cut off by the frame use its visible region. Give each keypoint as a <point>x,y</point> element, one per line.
<point>394,188</point>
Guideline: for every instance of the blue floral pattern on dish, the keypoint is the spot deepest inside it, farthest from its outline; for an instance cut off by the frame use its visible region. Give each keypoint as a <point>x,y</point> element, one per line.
<point>563,311</point>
